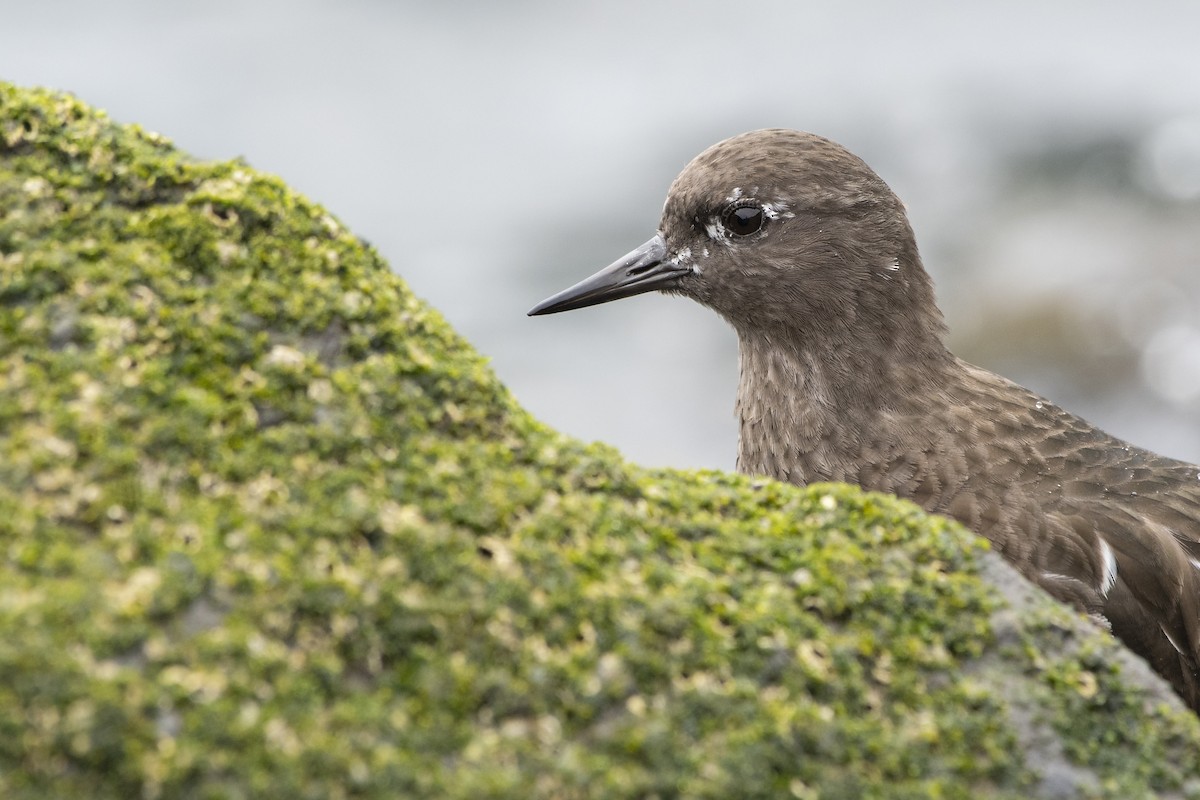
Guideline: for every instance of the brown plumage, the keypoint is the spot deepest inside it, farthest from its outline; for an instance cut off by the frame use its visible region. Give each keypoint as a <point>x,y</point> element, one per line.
<point>844,376</point>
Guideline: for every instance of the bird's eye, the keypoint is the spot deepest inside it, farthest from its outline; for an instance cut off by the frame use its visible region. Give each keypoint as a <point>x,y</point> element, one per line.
<point>743,220</point>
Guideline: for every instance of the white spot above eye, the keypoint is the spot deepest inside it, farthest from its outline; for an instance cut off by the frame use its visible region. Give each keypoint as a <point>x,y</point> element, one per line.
<point>777,210</point>
<point>734,195</point>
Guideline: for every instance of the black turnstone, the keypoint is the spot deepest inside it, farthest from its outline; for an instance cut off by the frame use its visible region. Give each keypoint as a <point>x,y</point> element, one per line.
<point>844,377</point>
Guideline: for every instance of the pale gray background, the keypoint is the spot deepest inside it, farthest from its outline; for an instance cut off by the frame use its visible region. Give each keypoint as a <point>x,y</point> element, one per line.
<point>496,152</point>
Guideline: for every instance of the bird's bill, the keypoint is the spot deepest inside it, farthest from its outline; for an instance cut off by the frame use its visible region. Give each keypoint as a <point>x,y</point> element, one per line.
<point>642,270</point>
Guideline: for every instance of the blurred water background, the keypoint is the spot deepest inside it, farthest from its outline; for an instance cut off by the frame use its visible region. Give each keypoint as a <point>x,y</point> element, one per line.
<point>1049,155</point>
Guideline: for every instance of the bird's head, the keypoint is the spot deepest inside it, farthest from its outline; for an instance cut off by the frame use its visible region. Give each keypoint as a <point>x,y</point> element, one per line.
<point>776,229</point>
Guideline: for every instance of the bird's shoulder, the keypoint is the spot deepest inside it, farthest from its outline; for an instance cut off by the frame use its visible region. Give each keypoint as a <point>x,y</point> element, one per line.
<point>1053,451</point>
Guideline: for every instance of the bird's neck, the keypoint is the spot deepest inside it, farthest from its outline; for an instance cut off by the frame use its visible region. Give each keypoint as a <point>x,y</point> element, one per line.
<point>808,408</point>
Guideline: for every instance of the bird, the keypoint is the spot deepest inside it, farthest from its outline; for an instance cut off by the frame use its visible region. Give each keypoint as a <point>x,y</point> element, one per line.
<point>844,375</point>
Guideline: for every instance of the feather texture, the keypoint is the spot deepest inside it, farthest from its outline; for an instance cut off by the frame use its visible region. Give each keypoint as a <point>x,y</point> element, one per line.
<point>844,376</point>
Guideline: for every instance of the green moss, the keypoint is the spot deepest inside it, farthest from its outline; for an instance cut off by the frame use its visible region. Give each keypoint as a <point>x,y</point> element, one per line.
<point>270,528</point>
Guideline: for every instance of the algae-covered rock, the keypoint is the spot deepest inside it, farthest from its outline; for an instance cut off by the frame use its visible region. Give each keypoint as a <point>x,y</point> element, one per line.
<point>269,528</point>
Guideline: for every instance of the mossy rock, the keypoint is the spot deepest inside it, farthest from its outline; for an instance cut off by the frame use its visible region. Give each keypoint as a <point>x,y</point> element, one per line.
<point>271,529</point>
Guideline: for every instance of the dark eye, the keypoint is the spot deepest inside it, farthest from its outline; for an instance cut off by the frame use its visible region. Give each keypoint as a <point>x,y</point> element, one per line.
<point>743,220</point>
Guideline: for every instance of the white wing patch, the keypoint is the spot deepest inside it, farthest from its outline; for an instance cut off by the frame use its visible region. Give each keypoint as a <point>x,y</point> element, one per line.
<point>1170,639</point>
<point>1110,568</point>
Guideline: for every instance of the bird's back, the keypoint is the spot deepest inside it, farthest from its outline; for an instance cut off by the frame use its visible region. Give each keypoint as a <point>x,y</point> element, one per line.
<point>1101,524</point>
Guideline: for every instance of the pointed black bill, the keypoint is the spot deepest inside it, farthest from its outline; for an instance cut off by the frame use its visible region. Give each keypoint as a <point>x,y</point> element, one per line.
<point>642,270</point>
